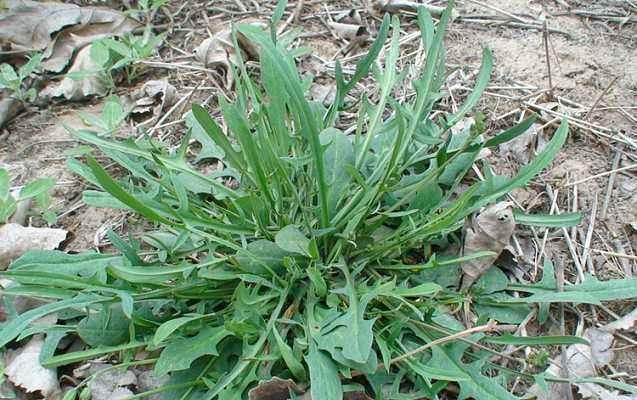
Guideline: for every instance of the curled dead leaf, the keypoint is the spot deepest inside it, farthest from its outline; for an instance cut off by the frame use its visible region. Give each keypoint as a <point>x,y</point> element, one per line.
<point>348,31</point>
<point>490,230</point>
<point>111,385</point>
<point>522,147</point>
<point>398,6</point>
<point>626,323</point>
<point>274,389</point>
<point>154,95</point>
<point>9,108</point>
<point>15,240</point>
<point>25,371</point>
<point>324,94</point>
<point>217,51</point>
<point>58,29</point>
<point>82,80</point>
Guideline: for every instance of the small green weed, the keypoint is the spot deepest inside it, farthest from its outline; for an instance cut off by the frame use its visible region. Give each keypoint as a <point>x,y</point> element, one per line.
<point>313,255</point>
<point>123,54</point>
<point>147,8</point>
<point>37,189</point>
<point>15,81</point>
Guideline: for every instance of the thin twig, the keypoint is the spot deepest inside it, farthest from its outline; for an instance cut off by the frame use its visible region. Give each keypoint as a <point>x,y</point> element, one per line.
<point>545,38</point>
<point>615,254</point>
<point>172,109</point>
<point>499,10</point>
<point>601,96</point>
<point>489,327</point>
<point>589,234</point>
<point>611,180</point>
<point>627,167</point>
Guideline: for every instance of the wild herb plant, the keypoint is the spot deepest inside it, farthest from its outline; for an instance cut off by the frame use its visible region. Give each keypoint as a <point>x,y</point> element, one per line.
<point>124,54</point>
<point>15,81</point>
<point>312,255</point>
<point>37,189</point>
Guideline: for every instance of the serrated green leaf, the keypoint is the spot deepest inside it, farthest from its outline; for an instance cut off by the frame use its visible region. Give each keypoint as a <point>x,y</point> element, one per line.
<point>180,353</point>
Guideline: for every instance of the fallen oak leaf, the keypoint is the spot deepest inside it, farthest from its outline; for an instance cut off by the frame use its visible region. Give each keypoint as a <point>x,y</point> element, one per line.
<point>154,95</point>
<point>490,230</point>
<point>398,6</point>
<point>626,323</point>
<point>15,240</point>
<point>82,80</point>
<point>96,23</point>
<point>274,389</point>
<point>28,25</point>
<point>25,371</point>
<point>111,385</point>
<point>348,31</point>
<point>58,29</point>
<point>218,51</point>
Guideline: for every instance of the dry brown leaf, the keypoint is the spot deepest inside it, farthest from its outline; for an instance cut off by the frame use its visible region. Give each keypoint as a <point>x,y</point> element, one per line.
<point>626,323</point>
<point>324,94</point>
<point>397,6</point>
<point>146,380</point>
<point>217,51</point>
<point>490,230</point>
<point>96,23</point>
<point>9,108</point>
<point>522,147</point>
<point>155,96</point>
<point>348,31</point>
<point>15,240</point>
<point>28,25</point>
<point>85,83</point>
<point>58,29</point>
<point>111,385</point>
<point>25,371</point>
<point>274,389</point>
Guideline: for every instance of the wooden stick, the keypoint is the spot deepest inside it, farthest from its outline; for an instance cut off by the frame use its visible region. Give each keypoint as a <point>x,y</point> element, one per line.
<point>611,180</point>
<point>627,167</point>
<point>545,38</point>
<point>499,10</point>
<point>610,85</point>
<point>589,235</point>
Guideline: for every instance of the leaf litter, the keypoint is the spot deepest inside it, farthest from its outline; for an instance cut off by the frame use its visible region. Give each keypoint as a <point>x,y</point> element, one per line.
<point>58,29</point>
<point>489,230</point>
<point>16,240</point>
<point>82,80</point>
<point>23,369</point>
